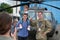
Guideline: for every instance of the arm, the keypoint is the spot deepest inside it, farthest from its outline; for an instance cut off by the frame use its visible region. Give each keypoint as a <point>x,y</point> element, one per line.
<point>18,25</point>
<point>49,27</point>
<point>14,35</point>
<point>28,25</point>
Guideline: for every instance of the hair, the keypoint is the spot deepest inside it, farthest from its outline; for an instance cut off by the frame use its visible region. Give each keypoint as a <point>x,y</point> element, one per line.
<point>5,22</point>
<point>40,12</point>
<point>25,14</point>
<point>26,6</point>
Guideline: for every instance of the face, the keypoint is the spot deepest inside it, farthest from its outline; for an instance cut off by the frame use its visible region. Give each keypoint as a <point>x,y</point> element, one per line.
<point>40,15</point>
<point>25,8</point>
<point>24,17</point>
<point>14,23</point>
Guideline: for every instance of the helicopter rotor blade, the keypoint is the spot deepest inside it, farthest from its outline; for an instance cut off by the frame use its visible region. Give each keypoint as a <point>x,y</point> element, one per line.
<point>51,6</point>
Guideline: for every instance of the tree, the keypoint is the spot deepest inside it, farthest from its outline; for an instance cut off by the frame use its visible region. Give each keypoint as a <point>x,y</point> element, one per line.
<point>5,6</point>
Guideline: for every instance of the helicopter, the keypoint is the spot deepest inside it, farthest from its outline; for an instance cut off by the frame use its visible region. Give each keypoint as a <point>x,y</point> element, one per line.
<point>33,1</point>
<point>28,2</point>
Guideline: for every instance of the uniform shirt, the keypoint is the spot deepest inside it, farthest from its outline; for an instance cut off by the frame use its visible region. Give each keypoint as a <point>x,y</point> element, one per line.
<point>45,27</point>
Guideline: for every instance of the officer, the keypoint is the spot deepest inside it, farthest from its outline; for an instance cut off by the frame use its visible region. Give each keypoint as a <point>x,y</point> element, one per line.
<point>43,27</point>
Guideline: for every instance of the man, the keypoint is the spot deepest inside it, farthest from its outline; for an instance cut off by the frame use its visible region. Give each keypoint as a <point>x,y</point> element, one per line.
<point>14,25</point>
<point>43,27</point>
<point>5,25</point>
<point>23,26</point>
<point>13,28</point>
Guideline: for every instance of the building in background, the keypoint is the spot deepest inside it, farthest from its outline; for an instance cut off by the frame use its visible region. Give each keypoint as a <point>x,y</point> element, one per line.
<point>16,10</point>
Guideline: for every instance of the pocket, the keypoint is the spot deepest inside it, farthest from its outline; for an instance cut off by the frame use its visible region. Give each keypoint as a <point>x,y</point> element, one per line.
<point>40,36</point>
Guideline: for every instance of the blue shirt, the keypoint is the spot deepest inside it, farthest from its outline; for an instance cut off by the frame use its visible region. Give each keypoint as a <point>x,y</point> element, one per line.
<point>23,32</point>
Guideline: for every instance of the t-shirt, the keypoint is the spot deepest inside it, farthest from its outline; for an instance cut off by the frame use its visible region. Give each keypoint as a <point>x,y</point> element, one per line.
<point>5,38</point>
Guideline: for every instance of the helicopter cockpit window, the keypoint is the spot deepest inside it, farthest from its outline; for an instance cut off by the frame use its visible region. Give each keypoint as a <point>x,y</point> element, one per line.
<point>47,16</point>
<point>32,14</point>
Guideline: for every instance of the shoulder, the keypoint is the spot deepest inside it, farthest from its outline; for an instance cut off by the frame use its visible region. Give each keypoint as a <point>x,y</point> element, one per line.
<point>28,21</point>
<point>5,38</point>
<point>20,21</point>
<point>10,38</point>
<point>48,23</point>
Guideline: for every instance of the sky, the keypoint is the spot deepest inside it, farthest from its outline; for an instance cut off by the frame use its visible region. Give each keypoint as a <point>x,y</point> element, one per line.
<point>55,11</point>
<point>8,2</point>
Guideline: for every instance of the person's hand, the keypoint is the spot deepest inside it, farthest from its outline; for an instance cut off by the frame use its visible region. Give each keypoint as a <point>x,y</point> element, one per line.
<point>28,28</point>
<point>30,19</point>
<point>43,33</point>
<point>20,26</point>
<point>14,34</point>
<point>39,29</point>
